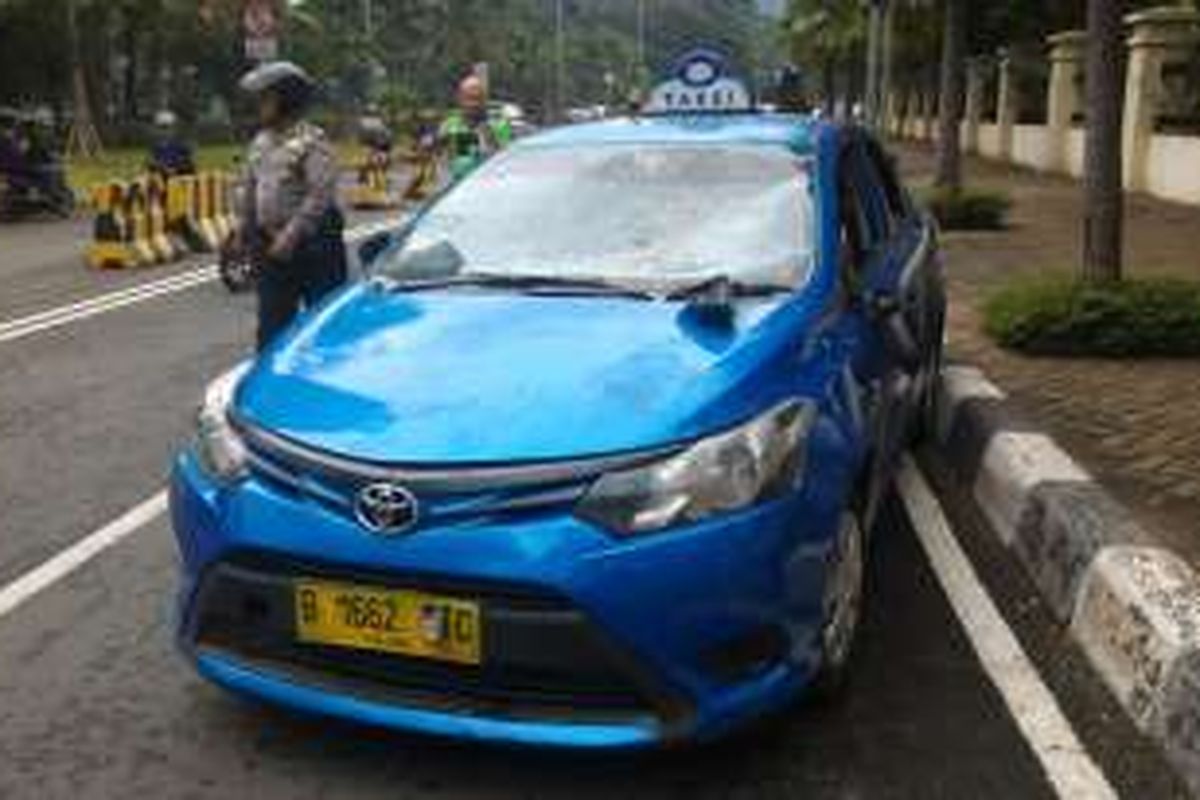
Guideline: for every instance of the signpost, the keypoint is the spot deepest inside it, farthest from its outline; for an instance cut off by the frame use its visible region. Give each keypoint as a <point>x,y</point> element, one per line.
<point>260,25</point>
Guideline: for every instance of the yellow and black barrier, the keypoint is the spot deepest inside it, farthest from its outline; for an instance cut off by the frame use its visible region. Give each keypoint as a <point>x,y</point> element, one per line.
<point>110,248</point>
<point>373,190</point>
<point>211,229</point>
<point>424,179</point>
<point>154,221</point>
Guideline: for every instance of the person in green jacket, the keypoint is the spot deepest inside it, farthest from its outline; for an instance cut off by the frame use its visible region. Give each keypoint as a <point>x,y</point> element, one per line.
<point>470,134</point>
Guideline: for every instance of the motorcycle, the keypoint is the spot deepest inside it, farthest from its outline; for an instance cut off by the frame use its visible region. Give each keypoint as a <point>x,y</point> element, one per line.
<point>236,267</point>
<point>40,190</point>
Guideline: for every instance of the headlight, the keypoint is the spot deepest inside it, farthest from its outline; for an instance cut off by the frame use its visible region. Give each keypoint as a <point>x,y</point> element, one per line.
<point>218,447</point>
<point>757,461</point>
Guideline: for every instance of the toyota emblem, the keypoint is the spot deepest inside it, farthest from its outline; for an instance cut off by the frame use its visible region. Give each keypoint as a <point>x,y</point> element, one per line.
<point>386,508</point>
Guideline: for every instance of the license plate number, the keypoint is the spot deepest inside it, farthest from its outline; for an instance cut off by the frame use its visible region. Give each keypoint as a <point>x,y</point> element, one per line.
<point>403,622</point>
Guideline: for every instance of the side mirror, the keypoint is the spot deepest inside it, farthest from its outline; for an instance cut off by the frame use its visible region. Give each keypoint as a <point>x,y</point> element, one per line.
<point>886,310</point>
<point>370,249</point>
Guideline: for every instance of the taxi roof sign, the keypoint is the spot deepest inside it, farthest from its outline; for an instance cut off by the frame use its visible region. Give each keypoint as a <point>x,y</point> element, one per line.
<point>700,81</point>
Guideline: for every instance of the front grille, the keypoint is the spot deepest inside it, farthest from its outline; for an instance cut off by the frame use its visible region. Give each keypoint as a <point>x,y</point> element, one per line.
<point>542,659</point>
<point>440,503</point>
<point>440,479</point>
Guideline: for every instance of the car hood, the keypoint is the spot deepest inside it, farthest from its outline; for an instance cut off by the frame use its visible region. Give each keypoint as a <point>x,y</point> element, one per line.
<point>478,378</point>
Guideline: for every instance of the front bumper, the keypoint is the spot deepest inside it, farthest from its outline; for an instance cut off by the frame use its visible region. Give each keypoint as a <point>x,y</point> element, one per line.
<point>591,642</point>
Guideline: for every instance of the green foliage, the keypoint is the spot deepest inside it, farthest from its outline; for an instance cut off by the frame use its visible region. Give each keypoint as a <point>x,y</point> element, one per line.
<point>968,209</point>
<point>1159,317</point>
<point>135,53</point>
<point>823,30</point>
<point>427,46</point>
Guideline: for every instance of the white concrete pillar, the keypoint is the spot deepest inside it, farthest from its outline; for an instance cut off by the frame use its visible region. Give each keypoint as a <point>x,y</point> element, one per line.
<point>973,113</point>
<point>928,114</point>
<point>1006,106</point>
<point>896,113</point>
<point>1158,35</point>
<point>1067,51</point>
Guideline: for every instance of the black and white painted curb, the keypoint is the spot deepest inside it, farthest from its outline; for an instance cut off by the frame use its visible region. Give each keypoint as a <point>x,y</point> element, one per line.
<point>1134,608</point>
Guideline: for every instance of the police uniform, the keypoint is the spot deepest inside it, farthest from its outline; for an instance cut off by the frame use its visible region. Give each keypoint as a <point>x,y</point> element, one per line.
<point>291,192</point>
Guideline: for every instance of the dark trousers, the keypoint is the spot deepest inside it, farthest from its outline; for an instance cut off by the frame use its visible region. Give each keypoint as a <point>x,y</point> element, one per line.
<point>316,268</point>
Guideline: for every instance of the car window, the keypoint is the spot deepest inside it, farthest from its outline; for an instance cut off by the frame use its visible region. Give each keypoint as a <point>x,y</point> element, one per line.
<point>855,232</point>
<point>641,214</point>
<point>893,193</point>
<point>871,195</point>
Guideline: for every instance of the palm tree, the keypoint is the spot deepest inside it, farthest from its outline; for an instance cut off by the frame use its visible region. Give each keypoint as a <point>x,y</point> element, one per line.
<point>827,32</point>
<point>1103,199</point>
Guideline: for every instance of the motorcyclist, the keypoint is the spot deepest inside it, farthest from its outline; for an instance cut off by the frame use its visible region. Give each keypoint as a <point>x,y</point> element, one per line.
<point>170,156</point>
<point>375,135</point>
<point>470,134</point>
<point>30,165</point>
<point>12,159</point>
<point>791,96</point>
<point>424,130</point>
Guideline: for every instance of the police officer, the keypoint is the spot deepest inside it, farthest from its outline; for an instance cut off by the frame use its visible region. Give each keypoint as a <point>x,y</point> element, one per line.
<point>291,224</point>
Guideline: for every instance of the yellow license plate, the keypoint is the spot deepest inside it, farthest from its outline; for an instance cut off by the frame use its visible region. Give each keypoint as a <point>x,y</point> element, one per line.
<point>389,621</point>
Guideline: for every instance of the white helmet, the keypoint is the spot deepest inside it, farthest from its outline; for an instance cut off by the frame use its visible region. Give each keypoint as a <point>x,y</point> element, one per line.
<point>164,119</point>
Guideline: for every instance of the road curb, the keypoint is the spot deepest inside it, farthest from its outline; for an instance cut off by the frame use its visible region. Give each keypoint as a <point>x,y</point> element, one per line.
<point>1133,607</point>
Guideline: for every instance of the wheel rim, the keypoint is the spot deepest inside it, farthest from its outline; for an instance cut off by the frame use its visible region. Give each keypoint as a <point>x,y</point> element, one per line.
<point>843,594</point>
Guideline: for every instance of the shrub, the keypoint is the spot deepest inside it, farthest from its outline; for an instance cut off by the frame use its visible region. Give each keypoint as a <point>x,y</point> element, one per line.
<point>1159,317</point>
<point>968,210</point>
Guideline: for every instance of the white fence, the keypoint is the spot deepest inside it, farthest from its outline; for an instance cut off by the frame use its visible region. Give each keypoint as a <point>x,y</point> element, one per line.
<point>1162,164</point>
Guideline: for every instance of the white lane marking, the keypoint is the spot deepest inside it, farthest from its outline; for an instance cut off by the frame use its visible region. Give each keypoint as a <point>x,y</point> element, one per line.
<point>23,328</point>
<point>63,315</point>
<point>67,561</point>
<point>99,300</point>
<point>1032,705</point>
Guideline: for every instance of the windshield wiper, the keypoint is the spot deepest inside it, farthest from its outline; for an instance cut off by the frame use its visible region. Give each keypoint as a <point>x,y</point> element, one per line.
<point>528,284</point>
<point>722,289</point>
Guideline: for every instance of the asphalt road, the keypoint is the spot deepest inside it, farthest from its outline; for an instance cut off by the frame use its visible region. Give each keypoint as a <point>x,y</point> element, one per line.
<point>95,703</point>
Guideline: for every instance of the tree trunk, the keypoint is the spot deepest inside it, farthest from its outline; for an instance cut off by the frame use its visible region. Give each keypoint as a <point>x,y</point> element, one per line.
<point>1105,96</point>
<point>954,46</point>
<point>829,84</point>
<point>129,43</point>
<point>81,138</point>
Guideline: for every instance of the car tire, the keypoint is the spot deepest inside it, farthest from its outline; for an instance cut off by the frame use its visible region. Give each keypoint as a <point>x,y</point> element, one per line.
<point>845,593</point>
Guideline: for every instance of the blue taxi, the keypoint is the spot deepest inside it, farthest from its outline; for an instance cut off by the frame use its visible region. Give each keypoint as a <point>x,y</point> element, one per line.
<point>590,457</point>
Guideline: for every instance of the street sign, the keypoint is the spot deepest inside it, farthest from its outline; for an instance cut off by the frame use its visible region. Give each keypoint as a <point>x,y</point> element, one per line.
<point>260,25</point>
<point>262,49</point>
<point>701,80</point>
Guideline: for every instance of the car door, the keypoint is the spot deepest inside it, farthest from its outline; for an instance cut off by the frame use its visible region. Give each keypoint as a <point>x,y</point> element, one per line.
<point>915,283</point>
<point>883,354</point>
<point>855,344</point>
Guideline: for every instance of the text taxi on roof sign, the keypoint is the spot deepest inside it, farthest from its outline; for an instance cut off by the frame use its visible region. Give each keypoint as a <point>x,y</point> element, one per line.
<point>701,80</point>
<point>591,457</point>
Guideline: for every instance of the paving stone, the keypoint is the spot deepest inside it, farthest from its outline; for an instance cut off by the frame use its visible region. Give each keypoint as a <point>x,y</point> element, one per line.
<point>1135,424</point>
